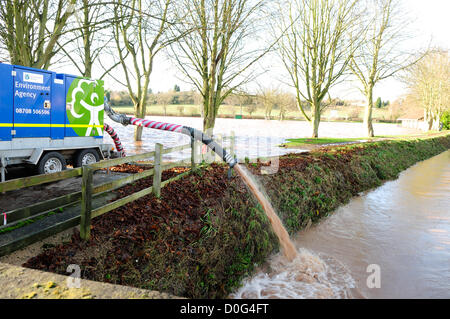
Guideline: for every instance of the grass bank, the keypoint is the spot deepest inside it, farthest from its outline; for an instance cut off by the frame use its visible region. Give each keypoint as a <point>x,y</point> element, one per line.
<point>301,142</point>
<point>206,233</point>
<point>334,141</point>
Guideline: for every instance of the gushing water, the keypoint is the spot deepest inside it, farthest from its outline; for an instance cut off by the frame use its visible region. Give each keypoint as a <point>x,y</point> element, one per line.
<point>293,274</point>
<point>286,244</point>
<point>308,276</point>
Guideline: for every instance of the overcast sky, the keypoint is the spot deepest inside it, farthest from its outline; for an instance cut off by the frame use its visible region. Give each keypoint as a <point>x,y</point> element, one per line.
<point>430,21</point>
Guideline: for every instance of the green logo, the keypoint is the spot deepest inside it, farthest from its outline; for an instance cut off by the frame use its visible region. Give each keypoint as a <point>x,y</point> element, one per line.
<point>85,111</point>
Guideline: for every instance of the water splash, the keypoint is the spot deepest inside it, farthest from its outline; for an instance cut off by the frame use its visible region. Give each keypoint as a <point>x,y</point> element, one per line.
<point>308,276</point>
<point>295,274</point>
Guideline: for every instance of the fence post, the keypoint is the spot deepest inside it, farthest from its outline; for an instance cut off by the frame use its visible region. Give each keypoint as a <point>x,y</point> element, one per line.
<point>232,144</point>
<point>157,170</point>
<point>219,140</point>
<point>86,202</point>
<point>3,170</point>
<point>193,154</point>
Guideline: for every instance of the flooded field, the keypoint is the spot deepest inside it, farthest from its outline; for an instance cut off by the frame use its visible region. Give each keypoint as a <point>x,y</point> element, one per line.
<point>254,138</point>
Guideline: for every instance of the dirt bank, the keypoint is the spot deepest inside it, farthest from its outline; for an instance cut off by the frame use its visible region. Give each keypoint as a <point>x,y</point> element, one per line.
<point>206,233</point>
<point>199,240</point>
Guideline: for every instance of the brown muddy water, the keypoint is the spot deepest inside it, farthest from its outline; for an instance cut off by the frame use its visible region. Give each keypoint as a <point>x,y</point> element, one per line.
<point>288,248</point>
<point>391,242</point>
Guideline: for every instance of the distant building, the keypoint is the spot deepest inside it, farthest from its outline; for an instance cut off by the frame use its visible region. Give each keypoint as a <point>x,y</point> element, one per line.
<point>414,119</point>
<point>360,103</point>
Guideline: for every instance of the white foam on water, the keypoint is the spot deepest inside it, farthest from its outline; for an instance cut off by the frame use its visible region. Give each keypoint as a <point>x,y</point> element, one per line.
<point>308,276</point>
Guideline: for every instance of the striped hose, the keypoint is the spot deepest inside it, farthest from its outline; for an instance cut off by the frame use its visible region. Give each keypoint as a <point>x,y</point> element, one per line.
<point>156,125</point>
<point>115,138</point>
<point>189,131</point>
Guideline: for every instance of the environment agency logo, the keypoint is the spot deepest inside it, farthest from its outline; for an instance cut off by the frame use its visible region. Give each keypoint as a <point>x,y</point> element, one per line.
<point>85,111</point>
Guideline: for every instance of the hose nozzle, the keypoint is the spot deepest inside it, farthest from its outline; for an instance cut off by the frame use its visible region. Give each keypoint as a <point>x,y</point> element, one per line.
<point>113,115</point>
<point>209,141</point>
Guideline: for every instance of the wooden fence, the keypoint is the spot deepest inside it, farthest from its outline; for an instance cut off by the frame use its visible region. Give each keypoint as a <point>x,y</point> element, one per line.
<point>87,193</point>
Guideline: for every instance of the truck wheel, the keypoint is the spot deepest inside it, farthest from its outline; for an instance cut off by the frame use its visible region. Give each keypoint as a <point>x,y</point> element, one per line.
<point>51,163</point>
<point>86,157</point>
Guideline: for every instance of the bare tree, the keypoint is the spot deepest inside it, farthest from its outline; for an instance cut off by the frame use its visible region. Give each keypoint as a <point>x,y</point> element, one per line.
<point>269,98</point>
<point>217,57</point>
<point>239,98</point>
<point>164,99</point>
<point>88,37</point>
<point>380,56</point>
<point>316,49</point>
<point>140,33</point>
<point>286,103</point>
<point>30,29</point>
<point>429,84</point>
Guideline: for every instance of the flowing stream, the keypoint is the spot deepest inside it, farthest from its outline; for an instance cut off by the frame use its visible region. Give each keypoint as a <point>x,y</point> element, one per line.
<point>399,232</point>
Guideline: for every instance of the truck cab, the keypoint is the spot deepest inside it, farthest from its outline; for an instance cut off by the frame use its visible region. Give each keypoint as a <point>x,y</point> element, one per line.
<point>49,120</point>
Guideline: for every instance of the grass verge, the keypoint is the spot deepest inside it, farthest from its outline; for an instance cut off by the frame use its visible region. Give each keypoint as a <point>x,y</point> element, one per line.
<point>296,142</point>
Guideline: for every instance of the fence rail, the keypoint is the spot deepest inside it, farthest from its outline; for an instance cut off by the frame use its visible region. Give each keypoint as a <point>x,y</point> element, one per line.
<point>87,194</point>
<point>87,213</point>
<point>19,183</point>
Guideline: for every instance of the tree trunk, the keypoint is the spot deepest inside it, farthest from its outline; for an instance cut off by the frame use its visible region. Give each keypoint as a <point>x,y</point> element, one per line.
<point>429,119</point>
<point>368,113</point>
<point>138,129</point>
<point>316,123</point>
<point>87,41</point>
<point>209,117</point>
<point>315,119</point>
<point>208,123</point>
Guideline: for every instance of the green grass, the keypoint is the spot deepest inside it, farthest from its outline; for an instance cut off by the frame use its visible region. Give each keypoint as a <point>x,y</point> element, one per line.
<point>293,142</point>
<point>225,111</point>
<point>29,221</point>
<point>299,142</point>
<point>419,135</point>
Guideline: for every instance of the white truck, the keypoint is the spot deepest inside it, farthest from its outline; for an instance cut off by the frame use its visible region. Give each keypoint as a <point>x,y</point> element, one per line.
<point>49,120</point>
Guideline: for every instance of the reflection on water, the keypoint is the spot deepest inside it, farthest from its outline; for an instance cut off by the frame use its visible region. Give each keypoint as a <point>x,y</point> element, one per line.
<point>254,138</point>
<point>403,227</point>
